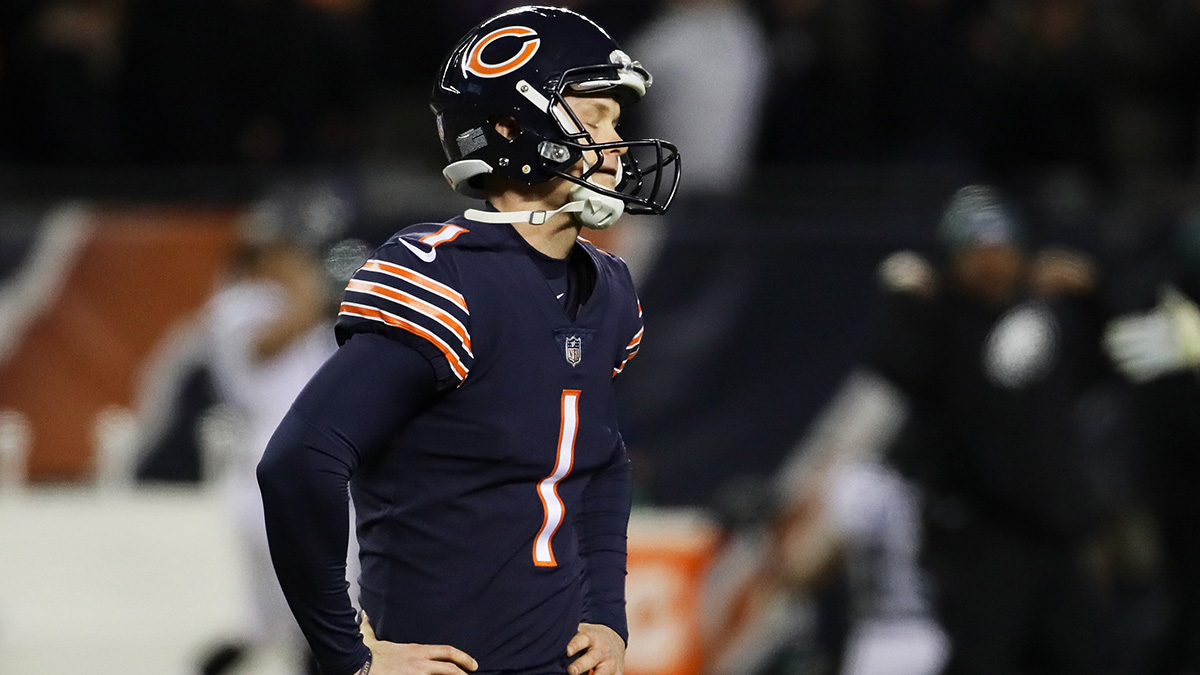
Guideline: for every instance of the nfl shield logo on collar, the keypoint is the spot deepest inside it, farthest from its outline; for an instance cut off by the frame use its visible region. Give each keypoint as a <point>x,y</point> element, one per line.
<point>574,349</point>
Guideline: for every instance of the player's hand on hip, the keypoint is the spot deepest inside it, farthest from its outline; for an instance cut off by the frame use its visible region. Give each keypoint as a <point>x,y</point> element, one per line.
<point>393,658</point>
<point>596,648</point>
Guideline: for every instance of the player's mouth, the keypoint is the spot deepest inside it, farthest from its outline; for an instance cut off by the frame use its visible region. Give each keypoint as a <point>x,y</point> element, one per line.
<point>605,177</point>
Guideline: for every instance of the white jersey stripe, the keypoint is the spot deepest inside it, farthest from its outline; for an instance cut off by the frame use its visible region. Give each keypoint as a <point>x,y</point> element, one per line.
<point>543,553</point>
<point>447,233</point>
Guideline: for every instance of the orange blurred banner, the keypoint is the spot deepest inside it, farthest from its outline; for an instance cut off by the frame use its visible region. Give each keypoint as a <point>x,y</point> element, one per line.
<point>134,273</point>
<point>669,554</point>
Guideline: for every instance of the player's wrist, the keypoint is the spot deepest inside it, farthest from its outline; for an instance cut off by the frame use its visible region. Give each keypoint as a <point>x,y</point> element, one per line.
<point>611,623</point>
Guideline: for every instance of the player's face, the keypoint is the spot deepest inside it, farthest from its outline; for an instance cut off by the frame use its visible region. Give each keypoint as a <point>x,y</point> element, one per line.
<point>992,273</point>
<point>600,117</point>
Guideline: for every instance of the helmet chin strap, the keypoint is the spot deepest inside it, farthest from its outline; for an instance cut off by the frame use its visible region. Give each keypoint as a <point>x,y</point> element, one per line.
<point>593,210</point>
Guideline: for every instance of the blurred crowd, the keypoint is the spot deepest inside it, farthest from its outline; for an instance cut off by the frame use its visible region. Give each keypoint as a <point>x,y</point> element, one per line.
<point>221,82</point>
<point>1111,87</point>
<point>1005,484</point>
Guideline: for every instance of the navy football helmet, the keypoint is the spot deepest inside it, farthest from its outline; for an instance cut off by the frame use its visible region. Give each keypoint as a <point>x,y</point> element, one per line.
<point>520,64</point>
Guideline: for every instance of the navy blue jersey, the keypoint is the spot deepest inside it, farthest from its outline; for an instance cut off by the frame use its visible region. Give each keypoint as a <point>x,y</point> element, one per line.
<point>494,520</point>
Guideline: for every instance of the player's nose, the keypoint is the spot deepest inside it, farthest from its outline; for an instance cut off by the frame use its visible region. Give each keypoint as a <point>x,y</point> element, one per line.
<point>615,137</point>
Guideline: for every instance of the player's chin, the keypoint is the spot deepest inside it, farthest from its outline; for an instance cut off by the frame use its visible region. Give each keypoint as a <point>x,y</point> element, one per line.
<point>605,180</point>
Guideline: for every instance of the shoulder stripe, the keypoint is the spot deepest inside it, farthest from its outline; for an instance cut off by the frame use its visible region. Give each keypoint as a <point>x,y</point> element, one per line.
<point>446,234</point>
<point>636,341</point>
<point>632,349</point>
<point>375,314</point>
<point>415,304</point>
<point>416,278</point>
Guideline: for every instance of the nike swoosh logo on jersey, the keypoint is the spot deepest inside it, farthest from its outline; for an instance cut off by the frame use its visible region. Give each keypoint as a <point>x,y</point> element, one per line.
<point>427,256</point>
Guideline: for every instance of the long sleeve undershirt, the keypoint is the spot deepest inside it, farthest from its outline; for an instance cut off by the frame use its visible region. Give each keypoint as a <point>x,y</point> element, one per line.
<point>352,407</point>
<point>602,524</point>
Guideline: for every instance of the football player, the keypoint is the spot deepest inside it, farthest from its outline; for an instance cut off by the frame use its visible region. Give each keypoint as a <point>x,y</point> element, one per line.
<point>470,404</point>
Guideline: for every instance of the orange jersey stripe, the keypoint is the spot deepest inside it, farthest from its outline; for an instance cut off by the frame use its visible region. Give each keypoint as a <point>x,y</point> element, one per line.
<point>637,339</point>
<point>417,279</point>
<point>374,314</point>
<point>415,304</point>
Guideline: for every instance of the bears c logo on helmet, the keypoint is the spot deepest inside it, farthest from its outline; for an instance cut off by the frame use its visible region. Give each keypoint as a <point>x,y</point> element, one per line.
<point>475,63</point>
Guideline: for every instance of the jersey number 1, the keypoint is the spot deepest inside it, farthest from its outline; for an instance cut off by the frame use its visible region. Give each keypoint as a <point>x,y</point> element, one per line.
<point>552,505</point>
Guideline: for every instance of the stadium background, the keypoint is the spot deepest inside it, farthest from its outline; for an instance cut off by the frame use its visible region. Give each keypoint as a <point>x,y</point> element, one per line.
<point>141,139</point>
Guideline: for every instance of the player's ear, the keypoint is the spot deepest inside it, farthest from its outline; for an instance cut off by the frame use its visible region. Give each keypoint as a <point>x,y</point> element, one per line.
<point>508,127</point>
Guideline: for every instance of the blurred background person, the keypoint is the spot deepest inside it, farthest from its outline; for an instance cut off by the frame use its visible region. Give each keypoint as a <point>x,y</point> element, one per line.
<point>843,524</point>
<point>972,387</point>
<point>1157,347</point>
<point>712,60</point>
<point>994,350</point>
<point>893,629</point>
<point>271,328</point>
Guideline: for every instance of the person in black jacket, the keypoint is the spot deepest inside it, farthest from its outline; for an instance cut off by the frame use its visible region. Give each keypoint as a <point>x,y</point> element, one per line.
<point>992,353</point>
<point>1158,350</point>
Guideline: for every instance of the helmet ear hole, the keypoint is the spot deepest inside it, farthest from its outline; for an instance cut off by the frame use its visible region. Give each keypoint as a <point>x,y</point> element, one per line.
<point>508,127</point>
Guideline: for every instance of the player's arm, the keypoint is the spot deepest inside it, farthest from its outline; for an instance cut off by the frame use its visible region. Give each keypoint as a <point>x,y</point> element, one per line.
<point>905,346</point>
<point>602,523</point>
<point>1157,343</point>
<point>349,410</point>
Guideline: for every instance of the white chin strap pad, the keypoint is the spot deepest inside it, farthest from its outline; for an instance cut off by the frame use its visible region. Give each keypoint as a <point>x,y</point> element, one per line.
<point>592,209</point>
<point>599,211</point>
